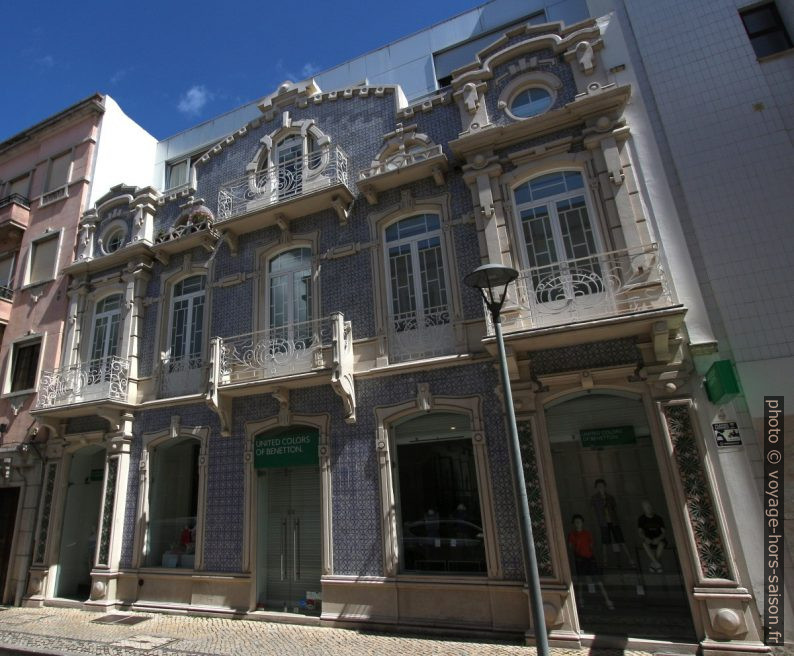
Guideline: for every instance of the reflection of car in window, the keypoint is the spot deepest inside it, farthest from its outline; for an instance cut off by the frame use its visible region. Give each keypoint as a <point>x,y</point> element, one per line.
<point>444,545</point>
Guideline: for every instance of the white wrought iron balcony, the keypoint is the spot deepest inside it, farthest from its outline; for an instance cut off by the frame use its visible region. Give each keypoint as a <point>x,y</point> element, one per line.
<point>295,187</point>
<point>298,354</point>
<point>182,375</point>
<point>402,167</point>
<point>105,379</point>
<point>604,285</point>
<point>420,334</point>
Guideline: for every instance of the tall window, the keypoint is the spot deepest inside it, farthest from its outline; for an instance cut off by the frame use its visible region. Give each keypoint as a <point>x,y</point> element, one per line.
<point>560,242</point>
<point>43,256</point>
<point>58,175</point>
<point>289,163</point>
<point>20,186</point>
<point>439,503</point>
<point>105,336</point>
<point>176,173</point>
<point>24,365</point>
<point>417,286</point>
<point>173,504</point>
<point>766,29</point>
<point>187,323</point>
<point>290,293</point>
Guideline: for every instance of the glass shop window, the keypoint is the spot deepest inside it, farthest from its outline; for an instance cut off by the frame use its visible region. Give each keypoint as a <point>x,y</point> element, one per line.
<point>440,524</point>
<point>173,504</point>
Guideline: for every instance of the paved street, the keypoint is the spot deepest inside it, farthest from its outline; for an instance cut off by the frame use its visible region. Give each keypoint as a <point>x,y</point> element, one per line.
<point>67,631</point>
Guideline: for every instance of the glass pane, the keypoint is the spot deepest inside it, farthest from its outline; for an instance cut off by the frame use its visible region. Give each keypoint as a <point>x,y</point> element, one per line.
<point>109,303</point>
<point>100,335</point>
<point>173,501</point>
<point>531,102</point>
<point>769,44</point>
<point>26,361</point>
<point>538,237</point>
<point>177,174</point>
<point>440,520</point>
<point>20,186</point>
<point>6,271</point>
<point>179,329</point>
<point>278,301</point>
<point>577,232</point>
<point>196,328</point>
<point>402,280</point>
<point>113,338</point>
<point>59,171</point>
<point>434,291</point>
<point>759,19</point>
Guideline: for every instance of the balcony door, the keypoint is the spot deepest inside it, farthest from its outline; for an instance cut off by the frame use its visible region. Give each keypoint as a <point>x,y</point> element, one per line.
<point>562,251</point>
<point>419,325</point>
<point>102,367</point>
<point>183,362</point>
<point>289,166</point>
<point>291,329</point>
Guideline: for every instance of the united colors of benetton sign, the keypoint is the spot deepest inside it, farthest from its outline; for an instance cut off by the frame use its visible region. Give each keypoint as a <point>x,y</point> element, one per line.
<point>298,446</point>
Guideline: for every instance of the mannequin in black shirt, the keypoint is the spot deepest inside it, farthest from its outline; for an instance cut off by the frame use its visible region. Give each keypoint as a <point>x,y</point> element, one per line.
<point>652,534</point>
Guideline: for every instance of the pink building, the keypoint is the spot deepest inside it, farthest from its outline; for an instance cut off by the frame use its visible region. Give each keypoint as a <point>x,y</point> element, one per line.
<point>46,178</point>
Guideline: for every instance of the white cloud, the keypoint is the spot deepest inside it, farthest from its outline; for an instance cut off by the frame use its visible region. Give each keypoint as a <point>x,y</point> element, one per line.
<point>193,100</point>
<point>309,69</point>
<point>48,61</point>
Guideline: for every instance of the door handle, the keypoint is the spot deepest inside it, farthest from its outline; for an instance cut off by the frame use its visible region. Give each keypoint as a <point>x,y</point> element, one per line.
<point>283,547</point>
<point>296,542</point>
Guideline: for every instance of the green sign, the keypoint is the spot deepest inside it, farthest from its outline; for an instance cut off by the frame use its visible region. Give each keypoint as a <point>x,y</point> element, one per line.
<point>721,382</point>
<point>293,447</point>
<point>607,436</point>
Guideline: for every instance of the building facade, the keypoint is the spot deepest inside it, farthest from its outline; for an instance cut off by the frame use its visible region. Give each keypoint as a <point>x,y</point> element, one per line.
<point>287,396</point>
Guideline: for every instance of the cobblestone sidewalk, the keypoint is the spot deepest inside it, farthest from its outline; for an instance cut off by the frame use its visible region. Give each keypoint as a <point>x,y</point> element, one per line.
<point>68,631</point>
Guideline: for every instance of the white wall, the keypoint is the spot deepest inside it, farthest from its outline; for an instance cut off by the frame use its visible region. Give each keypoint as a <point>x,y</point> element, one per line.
<point>125,153</point>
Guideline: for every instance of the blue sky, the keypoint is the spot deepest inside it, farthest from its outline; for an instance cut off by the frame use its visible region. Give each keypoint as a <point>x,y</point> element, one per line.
<point>171,64</point>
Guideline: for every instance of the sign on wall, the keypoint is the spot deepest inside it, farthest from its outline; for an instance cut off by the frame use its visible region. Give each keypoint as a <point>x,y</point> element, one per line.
<point>727,433</point>
<point>614,436</point>
<point>294,447</point>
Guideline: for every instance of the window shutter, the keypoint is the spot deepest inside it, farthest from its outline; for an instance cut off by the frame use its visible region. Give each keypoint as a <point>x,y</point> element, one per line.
<point>43,259</point>
<point>59,172</point>
<point>6,271</point>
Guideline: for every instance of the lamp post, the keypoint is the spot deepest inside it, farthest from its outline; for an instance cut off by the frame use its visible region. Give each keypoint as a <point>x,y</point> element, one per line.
<point>492,280</point>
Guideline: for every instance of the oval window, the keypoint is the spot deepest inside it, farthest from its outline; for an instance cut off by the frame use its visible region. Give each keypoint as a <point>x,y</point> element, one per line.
<point>113,241</point>
<point>531,102</point>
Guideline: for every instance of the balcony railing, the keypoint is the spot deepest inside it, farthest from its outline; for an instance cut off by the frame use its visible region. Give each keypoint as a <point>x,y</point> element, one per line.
<point>6,293</point>
<point>285,181</point>
<point>182,375</point>
<point>402,160</point>
<point>595,287</point>
<point>420,334</point>
<point>183,230</point>
<point>283,351</point>
<point>105,379</point>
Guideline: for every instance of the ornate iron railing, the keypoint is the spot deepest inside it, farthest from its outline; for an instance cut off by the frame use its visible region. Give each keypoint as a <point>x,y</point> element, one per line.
<point>601,285</point>
<point>400,160</point>
<point>292,349</point>
<point>6,293</point>
<point>17,199</point>
<point>95,380</point>
<point>183,230</point>
<point>282,182</point>
<point>416,335</point>
<point>181,375</point>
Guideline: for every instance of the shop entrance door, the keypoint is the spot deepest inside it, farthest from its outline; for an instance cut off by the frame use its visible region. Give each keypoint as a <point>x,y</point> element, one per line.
<point>292,550</point>
<point>9,499</point>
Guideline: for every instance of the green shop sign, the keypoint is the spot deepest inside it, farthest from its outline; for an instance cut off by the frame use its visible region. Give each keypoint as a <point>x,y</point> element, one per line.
<point>296,446</point>
<point>608,436</point>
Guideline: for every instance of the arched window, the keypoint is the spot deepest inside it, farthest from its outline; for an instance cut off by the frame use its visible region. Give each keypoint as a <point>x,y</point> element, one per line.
<point>417,288</point>
<point>173,504</point>
<point>105,340</point>
<point>439,517</point>
<point>561,244</point>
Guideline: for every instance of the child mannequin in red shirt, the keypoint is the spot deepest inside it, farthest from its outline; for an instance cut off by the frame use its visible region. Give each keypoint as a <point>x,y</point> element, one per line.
<point>580,543</point>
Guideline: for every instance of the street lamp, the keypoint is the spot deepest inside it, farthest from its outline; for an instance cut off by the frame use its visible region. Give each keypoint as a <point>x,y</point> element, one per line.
<point>492,280</point>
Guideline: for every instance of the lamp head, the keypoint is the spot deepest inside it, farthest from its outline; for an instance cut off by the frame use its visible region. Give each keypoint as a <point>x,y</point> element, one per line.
<point>492,280</point>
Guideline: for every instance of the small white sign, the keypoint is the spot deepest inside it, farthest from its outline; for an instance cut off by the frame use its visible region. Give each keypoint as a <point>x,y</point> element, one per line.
<point>727,433</point>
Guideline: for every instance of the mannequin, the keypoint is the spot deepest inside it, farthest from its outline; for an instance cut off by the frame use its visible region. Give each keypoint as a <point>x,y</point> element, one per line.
<point>606,512</point>
<point>652,534</point>
<point>580,544</point>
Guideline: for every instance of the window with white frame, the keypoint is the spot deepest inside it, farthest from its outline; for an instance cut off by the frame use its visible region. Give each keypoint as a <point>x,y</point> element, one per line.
<point>290,295</point>
<point>173,504</point>
<point>7,265</point>
<point>561,245</point>
<point>43,259</point>
<point>417,288</point>
<point>24,365</point>
<point>186,327</point>
<point>439,518</point>
<point>58,173</point>
<point>177,173</point>
<point>105,331</point>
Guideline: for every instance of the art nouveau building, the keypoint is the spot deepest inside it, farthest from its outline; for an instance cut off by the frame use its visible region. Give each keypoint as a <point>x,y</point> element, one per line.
<point>293,394</point>
<point>46,173</point>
